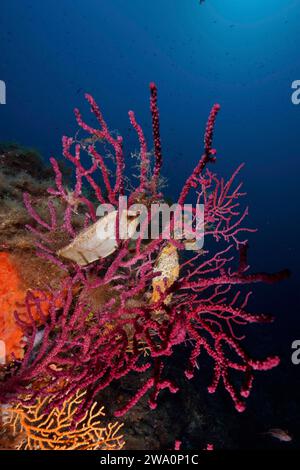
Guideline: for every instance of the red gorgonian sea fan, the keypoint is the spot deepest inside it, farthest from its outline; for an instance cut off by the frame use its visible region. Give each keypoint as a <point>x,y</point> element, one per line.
<point>126,312</point>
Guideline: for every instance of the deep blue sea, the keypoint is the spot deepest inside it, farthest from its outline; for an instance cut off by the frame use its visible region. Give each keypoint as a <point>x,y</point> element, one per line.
<point>241,54</point>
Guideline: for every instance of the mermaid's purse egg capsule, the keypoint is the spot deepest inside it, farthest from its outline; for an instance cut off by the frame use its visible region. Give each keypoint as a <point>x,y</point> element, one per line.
<point>99,240</point>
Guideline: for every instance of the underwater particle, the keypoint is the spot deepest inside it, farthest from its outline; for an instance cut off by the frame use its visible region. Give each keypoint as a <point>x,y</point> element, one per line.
<point>56,430</point>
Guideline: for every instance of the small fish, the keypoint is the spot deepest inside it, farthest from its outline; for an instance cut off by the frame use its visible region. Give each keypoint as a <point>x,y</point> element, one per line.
<point>279,434</point>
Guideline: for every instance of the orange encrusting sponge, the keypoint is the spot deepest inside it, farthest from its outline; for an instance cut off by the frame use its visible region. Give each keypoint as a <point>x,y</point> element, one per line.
<point>12,299</point>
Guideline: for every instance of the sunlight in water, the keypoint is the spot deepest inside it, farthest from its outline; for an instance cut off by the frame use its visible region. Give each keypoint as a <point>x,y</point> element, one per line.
<point>251,13</point>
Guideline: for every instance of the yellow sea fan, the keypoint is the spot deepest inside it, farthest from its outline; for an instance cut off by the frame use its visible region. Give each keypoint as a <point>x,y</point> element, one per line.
<point>56,430</point>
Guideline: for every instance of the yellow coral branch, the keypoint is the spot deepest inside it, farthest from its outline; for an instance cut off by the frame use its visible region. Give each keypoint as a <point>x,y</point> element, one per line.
<point>58,431</point>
